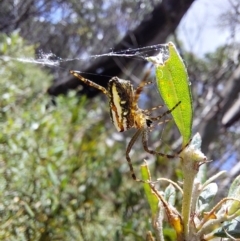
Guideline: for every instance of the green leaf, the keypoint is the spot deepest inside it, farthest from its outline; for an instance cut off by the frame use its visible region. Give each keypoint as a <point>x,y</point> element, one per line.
<point>174,87</point>
<point>231,228</point>
<point>52,175</point>
<point>170,195</point>
<point>206,197</point>
<point>234,192</point>
<point>151,197</point>
<point>29,210</point>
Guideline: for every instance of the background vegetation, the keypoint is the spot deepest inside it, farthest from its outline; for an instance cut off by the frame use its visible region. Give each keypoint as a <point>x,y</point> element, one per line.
<point>63,171</point>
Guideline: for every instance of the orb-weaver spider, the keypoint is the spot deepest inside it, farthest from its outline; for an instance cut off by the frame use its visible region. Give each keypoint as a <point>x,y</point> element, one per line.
<point>125,113</point>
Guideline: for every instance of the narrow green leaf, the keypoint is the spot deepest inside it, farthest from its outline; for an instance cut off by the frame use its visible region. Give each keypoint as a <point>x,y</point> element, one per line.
<point>29,210</point>
<point>234,192</point>
<point>52,175</point>
<point>151,197</point>
<point>174,87</point>
<point>170,195</point>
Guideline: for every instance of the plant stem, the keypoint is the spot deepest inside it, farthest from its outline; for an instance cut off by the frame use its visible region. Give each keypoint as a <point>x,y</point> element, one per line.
<point>189,173</point>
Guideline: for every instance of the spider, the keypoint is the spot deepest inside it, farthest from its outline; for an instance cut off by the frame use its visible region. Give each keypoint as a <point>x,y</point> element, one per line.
<point>125,113</point>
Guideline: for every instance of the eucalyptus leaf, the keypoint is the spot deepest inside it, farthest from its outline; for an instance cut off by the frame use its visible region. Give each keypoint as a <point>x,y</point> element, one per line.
<point>174,87</point>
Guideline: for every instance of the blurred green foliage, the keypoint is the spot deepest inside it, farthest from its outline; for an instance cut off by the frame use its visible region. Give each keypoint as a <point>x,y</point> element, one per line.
<point>62,174</point>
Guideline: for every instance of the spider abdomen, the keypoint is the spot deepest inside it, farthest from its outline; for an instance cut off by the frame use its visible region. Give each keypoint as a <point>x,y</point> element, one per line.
<point>120,102</point>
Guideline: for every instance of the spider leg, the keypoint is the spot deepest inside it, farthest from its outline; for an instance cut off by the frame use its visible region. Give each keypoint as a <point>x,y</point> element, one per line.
<point>165,113</point>
<point>145,137</point>
<point>163,122</point>
<point>129,147</point>
<point>145,146</point>
<point>152,109</point>
<point>159,123</point>
<point>139,90</point>
<point>87,81</point>
<point>143,83</point>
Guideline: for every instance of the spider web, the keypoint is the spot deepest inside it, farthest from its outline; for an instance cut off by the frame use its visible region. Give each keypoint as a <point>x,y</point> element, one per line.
<point>51,60</point>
